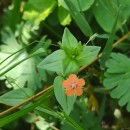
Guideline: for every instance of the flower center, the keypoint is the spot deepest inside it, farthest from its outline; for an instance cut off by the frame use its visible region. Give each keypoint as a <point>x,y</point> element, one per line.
<point>73,85</point>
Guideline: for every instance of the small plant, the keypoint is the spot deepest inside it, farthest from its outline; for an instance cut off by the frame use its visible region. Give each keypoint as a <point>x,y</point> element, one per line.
<point>63,63</point>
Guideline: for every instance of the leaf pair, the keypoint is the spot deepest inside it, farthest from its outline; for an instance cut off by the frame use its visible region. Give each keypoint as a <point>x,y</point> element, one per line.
<point>70,57</point>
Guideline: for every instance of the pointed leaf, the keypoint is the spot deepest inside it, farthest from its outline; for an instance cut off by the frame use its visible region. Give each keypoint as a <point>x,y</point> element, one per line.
<point>53,62</point>
<point>65,102</point>
<point>88,54</point>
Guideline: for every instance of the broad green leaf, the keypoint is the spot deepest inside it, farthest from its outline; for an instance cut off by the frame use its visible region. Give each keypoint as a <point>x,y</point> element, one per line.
<point>37,11</point>
<point>117,78</point>
<point>81,5</point>
<point>105,14</point>
<point>108,47</point>
<point>65,102</point>
<point>88,54</point>
<point>53,62</point>
<point>106,11</point>
<point>125,10</point>
<point>64,16</point>
<point>79,19</point>
<point>7,119</point>
<point>17,96</point>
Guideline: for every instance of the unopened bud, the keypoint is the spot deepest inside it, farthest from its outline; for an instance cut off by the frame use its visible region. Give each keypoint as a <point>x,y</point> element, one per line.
<point>117,113</point>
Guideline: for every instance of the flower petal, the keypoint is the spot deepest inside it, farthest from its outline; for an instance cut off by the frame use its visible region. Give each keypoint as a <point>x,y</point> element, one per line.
<point>80,82</point>
<point>69,92</point>
<point>78,91</point>
<point>66,84</point>
<point>73,78</point>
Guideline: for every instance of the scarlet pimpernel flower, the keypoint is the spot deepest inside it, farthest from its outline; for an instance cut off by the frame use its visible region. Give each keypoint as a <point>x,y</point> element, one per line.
<point>73,85</point>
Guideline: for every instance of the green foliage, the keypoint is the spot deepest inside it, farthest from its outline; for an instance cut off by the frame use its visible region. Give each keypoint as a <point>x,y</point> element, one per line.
<point>42,42</point>
<point>106,11</point>
<point>117,78</point>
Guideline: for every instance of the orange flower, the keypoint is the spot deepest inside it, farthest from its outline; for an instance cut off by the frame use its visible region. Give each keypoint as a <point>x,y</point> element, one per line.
<point>73,85</point>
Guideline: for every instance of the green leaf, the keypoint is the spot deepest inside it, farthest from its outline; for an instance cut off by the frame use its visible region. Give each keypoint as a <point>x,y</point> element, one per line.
<point>79,19</point>
<point>117,78</point>
<point>88,54</point>
<point>64,16</point>
<point>81,5</point>
<point>65,102</point>
<point>37,11</point>
<point>125,9</point>
<point>17,96</point>
<point>53,62</point>
<point>108,47</point>
<point>109,9</point>
<point>68,40</point>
